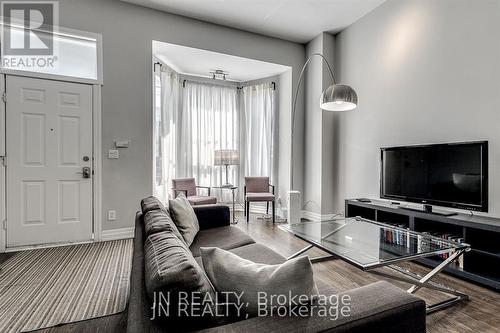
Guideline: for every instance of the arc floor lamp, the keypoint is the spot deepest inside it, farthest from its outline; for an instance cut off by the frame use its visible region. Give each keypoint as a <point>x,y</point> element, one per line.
<point>337,97</point>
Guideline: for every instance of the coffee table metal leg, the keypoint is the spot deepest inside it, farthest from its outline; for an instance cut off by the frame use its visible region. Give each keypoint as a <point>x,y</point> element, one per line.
<point>296,254</point>
<point>425,282</point>
<point>435,271</point>
<point>333,231</point>
<point>313,260</point>
<point>323,258</point>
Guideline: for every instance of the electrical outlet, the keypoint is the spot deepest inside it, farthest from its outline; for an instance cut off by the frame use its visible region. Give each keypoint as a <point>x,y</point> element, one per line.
<point>113,154</point>
<point>111,215</point>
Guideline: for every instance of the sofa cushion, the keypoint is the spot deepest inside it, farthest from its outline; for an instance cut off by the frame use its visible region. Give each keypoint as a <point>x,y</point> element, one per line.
<point>226,238</point>
<point>171,271</point>
<point>212,216</point>
<point>184,218</point>
<point>152,203</point>
<point>292,280</point>
<point>159,220</point>
<point>377,307</point>
<point>257,253</point>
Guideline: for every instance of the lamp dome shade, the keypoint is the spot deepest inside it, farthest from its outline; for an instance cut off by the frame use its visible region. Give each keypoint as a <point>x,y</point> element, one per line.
<point>339,97</point>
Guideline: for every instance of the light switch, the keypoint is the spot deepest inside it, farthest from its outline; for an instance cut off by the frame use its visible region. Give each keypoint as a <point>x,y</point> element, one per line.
<point>113,154</point>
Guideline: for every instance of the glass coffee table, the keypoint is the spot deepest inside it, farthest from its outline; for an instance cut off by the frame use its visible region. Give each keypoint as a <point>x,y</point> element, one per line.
<point>369,245</point>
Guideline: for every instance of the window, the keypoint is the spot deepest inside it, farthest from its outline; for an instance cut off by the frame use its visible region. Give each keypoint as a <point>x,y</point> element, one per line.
<point>75,54</point>
<point>157,127</point>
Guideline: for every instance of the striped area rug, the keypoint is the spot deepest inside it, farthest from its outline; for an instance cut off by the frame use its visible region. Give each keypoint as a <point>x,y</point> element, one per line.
<point>47,287</point>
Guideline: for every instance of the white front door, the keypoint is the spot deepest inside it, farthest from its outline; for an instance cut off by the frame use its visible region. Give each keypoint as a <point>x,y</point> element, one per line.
<point>48,144</point>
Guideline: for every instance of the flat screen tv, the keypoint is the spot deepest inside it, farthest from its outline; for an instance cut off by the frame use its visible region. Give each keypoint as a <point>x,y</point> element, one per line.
<point>450,175</point>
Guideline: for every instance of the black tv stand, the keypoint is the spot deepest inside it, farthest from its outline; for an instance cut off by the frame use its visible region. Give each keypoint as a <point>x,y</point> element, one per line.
<point>428,209</point>
<point>480,265</point>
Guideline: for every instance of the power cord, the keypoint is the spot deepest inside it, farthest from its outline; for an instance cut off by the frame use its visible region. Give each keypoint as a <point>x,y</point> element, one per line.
<point>277,218</point>
<point>333,216</point>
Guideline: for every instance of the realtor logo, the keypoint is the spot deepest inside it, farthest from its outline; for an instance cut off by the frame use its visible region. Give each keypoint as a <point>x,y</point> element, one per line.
<point>28,29</point>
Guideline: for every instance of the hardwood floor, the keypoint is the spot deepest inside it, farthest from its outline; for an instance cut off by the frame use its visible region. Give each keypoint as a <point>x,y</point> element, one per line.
<point>480,314</point>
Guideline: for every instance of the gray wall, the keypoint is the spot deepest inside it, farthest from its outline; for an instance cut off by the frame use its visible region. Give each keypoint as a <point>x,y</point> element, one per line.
<point>425,71</point>
<point>285,104</point>
<point>319,133</point>
<point>312,133</point>
<point>329,131</point>
<point>128,31</point>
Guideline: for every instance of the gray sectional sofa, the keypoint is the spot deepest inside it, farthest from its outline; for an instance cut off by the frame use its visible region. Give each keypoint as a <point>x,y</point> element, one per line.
<point>378,307</point>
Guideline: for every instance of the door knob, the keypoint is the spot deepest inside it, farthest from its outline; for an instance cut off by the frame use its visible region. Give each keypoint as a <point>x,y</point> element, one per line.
<point>85,172</point>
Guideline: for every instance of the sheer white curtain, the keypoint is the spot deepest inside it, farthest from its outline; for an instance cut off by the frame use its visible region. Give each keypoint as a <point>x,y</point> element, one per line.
<point>166,129</point>
<point>259,132</point>
<point>210,121</point>
<point>193,119</point>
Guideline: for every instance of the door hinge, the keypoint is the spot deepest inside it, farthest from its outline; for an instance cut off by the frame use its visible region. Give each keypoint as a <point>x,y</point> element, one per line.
<point>4,160</point>
<point>4,97</point>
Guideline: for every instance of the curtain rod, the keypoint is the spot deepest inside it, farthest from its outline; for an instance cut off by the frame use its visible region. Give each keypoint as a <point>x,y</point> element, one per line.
<point>272,84</point>
<point>215,83</point>
<point>155,64</point>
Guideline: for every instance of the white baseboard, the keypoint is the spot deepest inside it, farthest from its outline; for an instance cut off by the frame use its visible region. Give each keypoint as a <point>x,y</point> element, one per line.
<point>114,234</point>
<point>317,216</point>
<point>311,215</point>
<point>261,209</point>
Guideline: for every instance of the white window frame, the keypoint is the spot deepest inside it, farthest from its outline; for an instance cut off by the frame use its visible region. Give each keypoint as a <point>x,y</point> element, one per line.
<point>67,31</point>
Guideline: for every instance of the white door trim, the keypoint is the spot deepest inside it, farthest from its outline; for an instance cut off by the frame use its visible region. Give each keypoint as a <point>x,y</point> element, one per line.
<point>44,76</point>
<point>97,165</point>
<point>3,184</point>
<point>97,155</point>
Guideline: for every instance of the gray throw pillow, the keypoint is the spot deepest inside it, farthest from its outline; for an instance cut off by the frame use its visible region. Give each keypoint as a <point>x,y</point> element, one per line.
<point>230,273</point>
<point>184,218</point>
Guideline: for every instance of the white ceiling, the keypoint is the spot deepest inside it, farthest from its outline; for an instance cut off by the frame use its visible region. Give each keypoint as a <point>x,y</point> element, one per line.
<point>295,20</point>
<point>191,61</point>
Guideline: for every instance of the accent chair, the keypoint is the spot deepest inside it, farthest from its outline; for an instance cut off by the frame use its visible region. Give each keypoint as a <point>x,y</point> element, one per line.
<point>257,190</point>
<point>190,189</point>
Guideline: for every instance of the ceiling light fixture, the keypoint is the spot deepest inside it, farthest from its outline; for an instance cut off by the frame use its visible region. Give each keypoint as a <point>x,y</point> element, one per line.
<point>219,74</point>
